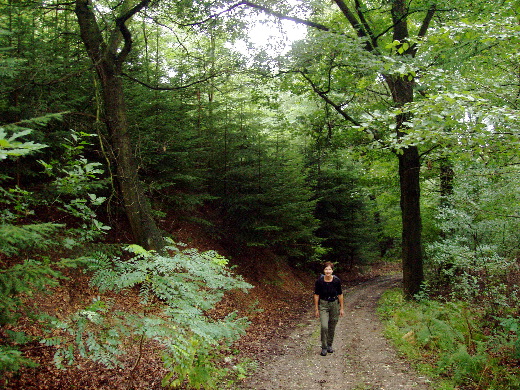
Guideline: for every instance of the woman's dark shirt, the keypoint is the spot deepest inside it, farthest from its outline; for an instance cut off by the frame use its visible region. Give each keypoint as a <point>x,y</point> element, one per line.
<point>328,291</point>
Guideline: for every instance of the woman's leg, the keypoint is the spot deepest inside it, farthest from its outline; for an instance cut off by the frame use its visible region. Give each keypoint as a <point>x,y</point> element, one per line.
<point>333,321</point>
<point>324,320</point>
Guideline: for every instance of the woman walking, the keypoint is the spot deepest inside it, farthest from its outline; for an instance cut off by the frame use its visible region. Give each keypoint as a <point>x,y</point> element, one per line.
<point>328,303</point>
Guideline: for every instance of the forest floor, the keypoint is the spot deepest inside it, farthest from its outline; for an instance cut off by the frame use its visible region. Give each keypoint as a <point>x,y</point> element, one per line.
<point>283,337</point>
<point>363,358</point>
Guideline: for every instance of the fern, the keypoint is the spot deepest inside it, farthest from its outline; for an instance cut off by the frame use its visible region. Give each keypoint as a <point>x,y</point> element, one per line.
<point>24,279</point>
<point>455,341</point>
<point>176,291</point>
<point>12,359</point>
<point>31,276</point>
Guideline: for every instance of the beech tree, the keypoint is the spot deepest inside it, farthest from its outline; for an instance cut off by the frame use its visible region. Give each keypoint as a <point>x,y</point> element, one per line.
<point>392,27</point>
<point>108,56</point>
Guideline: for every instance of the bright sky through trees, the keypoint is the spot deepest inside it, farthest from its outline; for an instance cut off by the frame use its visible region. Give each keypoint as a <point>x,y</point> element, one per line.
<point>271,35</point>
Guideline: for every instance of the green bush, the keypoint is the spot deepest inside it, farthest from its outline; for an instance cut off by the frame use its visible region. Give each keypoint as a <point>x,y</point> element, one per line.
<point>26,268</point>
<point>453,342</point>
<point>475,254</point>
<point>176,291</point>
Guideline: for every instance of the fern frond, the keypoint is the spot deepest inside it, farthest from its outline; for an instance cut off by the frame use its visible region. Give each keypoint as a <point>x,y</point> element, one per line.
<point>183,286</point>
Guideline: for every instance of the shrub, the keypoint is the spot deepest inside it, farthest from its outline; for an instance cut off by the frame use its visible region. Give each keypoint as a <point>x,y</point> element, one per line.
<point>176,290</point>
<point>453,342</point>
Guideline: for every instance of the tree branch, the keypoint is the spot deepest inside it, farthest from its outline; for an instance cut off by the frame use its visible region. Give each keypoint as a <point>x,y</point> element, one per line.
<point>399,14</point>
<point>365,24</point>
<point>324,96</point>
<point>157,88</point>
<point>427,20</point>
<point>211,17</point>
<point>284,17</point>
<point>356,25</point>
<point>127,36</point>
<point>89,30</point>
<point>424,28</point>
<point>262,8</point>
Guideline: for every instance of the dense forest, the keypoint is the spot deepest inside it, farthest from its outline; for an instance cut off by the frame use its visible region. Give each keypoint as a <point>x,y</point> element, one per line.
<point>387,131</point>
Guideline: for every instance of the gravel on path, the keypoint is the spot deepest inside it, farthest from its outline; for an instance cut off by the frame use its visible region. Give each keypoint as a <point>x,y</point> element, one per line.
<point>363,358</point>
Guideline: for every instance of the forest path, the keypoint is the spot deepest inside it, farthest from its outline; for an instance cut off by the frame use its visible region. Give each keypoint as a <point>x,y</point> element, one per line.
<point>363,359</point>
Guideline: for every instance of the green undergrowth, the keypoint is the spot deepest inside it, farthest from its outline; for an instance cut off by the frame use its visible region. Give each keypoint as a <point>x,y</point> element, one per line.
<point>454,343</point>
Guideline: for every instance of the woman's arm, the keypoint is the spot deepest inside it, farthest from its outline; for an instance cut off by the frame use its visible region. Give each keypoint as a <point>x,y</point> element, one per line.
<point>317,305</point>
<point>341,309</point>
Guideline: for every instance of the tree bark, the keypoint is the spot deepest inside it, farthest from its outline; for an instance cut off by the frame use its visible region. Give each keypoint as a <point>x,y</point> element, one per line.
<point>409,168</point>
<point>409,161</point>
<point>410,191</point>
<point>446,181</point>
<point>108,64</point>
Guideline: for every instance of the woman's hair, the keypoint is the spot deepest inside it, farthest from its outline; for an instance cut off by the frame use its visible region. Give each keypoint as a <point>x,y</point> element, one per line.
<point>328,264</point>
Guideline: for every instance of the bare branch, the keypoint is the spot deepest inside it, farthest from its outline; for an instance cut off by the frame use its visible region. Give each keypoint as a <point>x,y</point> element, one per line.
<point>329,101</point>
<point>285,17</point>
<point>127,36</point>
<point>157,88</point>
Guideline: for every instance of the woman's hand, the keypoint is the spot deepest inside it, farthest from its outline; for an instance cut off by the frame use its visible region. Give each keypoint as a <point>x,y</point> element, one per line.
<point>317,313</point>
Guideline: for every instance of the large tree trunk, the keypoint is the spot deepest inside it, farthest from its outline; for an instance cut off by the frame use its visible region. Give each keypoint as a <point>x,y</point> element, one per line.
<point>409,168</point>
<point>136,203</point>
<point>401,87</point>
<point>108,63</point>
<point>409,182</point>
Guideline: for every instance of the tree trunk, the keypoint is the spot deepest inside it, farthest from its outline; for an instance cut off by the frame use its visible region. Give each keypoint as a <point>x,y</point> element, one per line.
<point>401,87</point>
<point>137,205</point>
<point>410,197</point>
<point>409,168</point>
<point>446,181</point>
<point>108,63</point>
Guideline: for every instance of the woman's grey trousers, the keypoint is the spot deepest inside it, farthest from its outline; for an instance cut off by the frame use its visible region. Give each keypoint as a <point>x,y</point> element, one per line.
<point>329,316</point>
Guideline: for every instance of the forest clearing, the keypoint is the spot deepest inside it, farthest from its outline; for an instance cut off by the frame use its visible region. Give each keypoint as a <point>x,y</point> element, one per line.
<point>174,176</point>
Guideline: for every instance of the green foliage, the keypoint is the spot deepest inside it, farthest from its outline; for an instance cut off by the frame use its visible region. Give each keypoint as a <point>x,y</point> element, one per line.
<point>73,190</point>
<point>11,359</point>
<point>479,241</point>
<point>27,278</point>
<point>226,140</point>
<point>22,243</point>
<point>17,284</point>
<point>347,224</point>
<point>75,183</point>
<point>452,342</point>
<point>11,146</point>
<point>509,336</point>
<point>73,174</point>
<point>176,290</point>
<point>15,239</point>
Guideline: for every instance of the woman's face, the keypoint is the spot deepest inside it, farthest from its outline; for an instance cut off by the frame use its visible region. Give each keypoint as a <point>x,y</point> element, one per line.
<point>327,271</point>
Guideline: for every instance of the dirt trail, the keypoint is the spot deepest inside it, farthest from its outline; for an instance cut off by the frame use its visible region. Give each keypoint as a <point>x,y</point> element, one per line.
<point>363,360</point>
